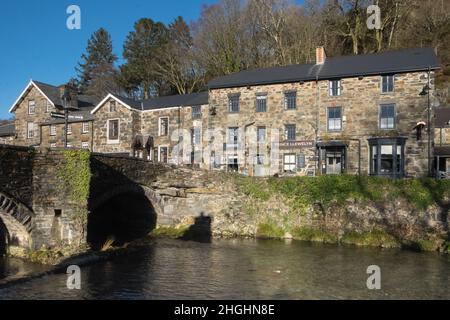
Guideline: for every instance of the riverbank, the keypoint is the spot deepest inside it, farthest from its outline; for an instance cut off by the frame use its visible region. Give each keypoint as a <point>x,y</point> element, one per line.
<point>351,210</point>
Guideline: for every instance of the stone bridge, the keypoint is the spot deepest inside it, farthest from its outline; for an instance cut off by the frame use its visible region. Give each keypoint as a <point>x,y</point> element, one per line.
<point>49,198</point>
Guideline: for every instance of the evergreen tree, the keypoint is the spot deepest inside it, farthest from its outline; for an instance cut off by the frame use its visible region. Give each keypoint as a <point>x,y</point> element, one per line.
<point>141,50</point>
<point>96,72</point>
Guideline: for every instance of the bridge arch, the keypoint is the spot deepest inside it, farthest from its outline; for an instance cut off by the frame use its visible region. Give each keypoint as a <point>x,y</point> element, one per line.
<point>122,214</point>
<point>16,224</point>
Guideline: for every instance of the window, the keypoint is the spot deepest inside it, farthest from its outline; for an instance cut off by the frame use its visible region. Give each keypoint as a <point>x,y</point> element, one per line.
<point>69,145</point>
<point>196,136</point>
<point>31,107</point>
<point>85,145</point>
<point>53,130</point>
<point>69,129</point>
<point>261,134</point>
<point>289,163</point>
<point>301,161</point>
<point>163,126</point>
<point>387,116</point>
<point>290,100</point>
<point>30,130</point>
<point>233,104</point>
<point>290,132</point>
<point>196,112</point>
<point>113,130</point>
<point>261,103</point>
<point>334,119</point>
<point>85,128</point>
<point>53,145</point>
<point>112,106</point>
<point>335,88</point>
<point>387,84</point>
<point>233,135</point>
<point>387,157</point>
<point>163,154</point>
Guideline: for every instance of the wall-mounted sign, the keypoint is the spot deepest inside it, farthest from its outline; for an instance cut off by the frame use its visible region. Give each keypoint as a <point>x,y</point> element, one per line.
<point>296,144</point>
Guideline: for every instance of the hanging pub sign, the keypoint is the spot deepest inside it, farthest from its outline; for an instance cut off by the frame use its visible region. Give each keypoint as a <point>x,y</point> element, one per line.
<point>296,144</point>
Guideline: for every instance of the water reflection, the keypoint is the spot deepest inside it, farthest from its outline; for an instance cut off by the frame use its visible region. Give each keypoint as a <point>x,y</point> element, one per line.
<point>238,269</point>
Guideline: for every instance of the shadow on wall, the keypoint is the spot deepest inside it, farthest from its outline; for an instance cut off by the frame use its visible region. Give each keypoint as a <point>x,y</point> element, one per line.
<point>123,213</point>
<point>4,235</point>
<point>200,231</point>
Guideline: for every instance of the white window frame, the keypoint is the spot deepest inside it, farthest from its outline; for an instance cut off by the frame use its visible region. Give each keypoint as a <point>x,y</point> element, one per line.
<point>69,129</point>
<point>339,88</point>
<point>159,153</point>
<point>159,127</point>
<point>290,164</point>
<point>341,122</point>
<point>52,130</point>
<point>30,130</point>
<point>31,102</point>
<point>113,141</point>
<point>53,145</point>
<point>84,129</point>
<point>69,145</point>
<point>261,97</point>
<point>85,145</point>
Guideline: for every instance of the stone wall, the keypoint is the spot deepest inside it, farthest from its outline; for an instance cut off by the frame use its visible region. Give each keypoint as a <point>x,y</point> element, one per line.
<point>76,139</point>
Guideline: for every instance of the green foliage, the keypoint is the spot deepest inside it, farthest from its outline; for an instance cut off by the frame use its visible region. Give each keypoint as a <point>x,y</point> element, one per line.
<point>375,238</point>
<point>75,179</point>
<point>337,189</point>
<point>96,72</point>
<point>170,232</point>
<point>314,235</point>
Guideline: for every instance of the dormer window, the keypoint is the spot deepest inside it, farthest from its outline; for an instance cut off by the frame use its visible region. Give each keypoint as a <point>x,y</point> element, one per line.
<point>112,106</point>
<point>31,107</point>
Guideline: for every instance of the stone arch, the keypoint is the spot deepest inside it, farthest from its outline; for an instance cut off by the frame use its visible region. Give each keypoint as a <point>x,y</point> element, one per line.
<point>122,214</point>
<point>17,222</point>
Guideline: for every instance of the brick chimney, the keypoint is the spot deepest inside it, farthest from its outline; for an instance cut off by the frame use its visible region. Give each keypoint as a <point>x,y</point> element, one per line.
<point>321,56</point>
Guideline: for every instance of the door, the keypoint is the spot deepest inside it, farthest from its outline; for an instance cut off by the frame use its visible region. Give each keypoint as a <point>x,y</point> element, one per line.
<point>334,163</point>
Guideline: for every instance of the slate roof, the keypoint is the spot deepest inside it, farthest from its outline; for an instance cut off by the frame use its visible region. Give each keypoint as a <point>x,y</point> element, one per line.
<point>407,60</point>
<point>185,100</point>
<point>53,93</point>
<point>7,130</point>
<point>442,117</point>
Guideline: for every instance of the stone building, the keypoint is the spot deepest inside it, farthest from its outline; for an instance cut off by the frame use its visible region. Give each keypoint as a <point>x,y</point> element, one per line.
<point>353,114</point>
<point>7,133</point>
<point>442,142</point>
<point>35,122</point>
<point>154,129</point>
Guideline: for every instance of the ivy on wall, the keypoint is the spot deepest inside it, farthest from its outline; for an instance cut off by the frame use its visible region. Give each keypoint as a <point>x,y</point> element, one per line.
<point>74,174</point>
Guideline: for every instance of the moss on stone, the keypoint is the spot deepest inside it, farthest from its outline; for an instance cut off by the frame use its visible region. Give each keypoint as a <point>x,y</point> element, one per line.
<point>375,238</point>
<point>170,232</point>
<point>270,230</point>
<point>313,235</point>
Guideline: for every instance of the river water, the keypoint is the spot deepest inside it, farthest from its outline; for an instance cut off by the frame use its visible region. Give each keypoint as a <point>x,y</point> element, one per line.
<point>246,269</point>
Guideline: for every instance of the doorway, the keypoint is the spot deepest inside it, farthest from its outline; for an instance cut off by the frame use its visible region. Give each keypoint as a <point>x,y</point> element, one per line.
<point>334,162</point>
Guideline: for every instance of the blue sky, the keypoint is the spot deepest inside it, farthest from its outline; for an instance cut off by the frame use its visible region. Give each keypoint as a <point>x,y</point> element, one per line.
<point>36,43</point>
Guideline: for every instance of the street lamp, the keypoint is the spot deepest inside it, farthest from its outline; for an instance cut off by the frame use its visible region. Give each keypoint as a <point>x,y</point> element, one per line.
<point>426,91</point>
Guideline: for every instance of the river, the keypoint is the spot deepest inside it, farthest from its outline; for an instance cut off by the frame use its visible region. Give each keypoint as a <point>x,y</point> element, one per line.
<point>245,269</point>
